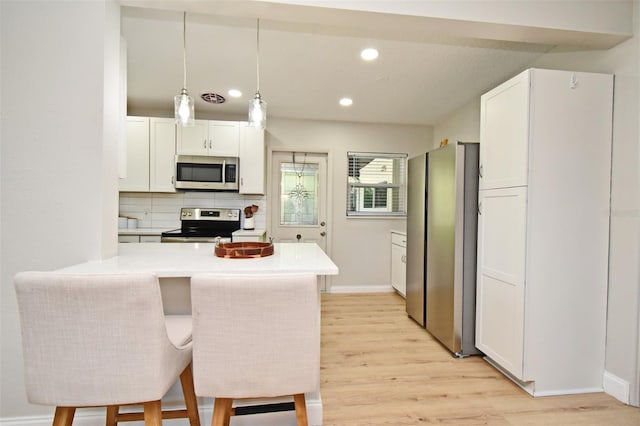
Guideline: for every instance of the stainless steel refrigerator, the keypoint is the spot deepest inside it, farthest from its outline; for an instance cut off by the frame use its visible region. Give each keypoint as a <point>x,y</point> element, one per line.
<point>442,224</point>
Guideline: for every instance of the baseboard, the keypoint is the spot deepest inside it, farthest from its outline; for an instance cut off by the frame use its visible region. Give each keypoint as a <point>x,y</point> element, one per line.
<point>345,289</point>
<point>83,417</point>
<point>530,387</point>
<point>576,391</point>
<point>96,416</point>
<point>616,387</point>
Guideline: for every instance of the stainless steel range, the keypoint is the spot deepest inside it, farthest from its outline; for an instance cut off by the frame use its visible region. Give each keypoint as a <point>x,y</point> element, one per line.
<point>204,225</point>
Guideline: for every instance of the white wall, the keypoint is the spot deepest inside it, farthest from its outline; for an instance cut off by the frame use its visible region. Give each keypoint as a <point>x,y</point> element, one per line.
<point>463,125</point>
<point>360,247</point>
<point>622,349</point>
<point>58,170</point>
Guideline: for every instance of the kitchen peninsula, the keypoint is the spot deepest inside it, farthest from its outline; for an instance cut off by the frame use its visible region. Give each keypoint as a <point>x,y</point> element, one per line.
<point>176,263</point>
<point>187,259</point>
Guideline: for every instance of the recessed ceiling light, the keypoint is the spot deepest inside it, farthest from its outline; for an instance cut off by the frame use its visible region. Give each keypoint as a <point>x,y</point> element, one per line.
<point>369,54</point>
<point>346,101</point>
<point>235,93</point>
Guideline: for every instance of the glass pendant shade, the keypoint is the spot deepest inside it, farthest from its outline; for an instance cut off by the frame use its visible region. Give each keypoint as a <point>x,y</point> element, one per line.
<point>257,107</point>
<point>184,109</point>
<point>257,112</point>
<point>184,105</point>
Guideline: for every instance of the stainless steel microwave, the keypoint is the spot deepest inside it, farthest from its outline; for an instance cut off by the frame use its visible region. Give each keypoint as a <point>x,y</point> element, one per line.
<point>206,173</point>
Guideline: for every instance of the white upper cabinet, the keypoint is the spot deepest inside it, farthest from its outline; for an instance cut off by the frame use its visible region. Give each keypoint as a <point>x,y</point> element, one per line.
<point>504,131</point>
<point>207,137</point>
<point>252,160</point>
<point>162,151</point>
<point>137,158</point>
<point>193,140</point>
<point>151,149</point>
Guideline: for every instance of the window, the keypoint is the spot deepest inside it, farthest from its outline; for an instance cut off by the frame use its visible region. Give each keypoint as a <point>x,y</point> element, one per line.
<point>299,194</point>
<point>376,184</point>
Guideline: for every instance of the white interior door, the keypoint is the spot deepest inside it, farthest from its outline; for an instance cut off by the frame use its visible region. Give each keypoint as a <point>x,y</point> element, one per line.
<point>299,202</point>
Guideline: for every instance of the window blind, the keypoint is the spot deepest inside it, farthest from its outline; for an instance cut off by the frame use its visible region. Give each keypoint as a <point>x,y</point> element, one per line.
<point>376,184</point>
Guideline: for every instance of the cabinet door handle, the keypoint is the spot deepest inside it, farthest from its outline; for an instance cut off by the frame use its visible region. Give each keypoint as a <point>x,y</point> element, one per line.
<point>480,171</point>
<point>205,144</point>
<point>480,208</point>
<point>210,144</point>
<point>404,258</point>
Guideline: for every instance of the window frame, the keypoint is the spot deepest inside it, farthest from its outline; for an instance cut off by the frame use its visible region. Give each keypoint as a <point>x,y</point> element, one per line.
<point>400,187</point>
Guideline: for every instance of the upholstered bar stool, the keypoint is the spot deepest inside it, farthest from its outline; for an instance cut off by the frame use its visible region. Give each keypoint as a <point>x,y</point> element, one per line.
<point>255,336</point>
<point>103,340</point>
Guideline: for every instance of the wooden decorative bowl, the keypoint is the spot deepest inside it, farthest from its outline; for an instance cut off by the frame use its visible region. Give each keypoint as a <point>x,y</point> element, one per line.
<point>244,250</point>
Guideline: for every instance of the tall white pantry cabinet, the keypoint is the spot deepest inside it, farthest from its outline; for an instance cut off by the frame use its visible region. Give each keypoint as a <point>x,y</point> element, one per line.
<point>543,229</point>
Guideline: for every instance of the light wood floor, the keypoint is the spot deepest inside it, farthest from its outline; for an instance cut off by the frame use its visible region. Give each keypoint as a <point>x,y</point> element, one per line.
<point>379,367</point>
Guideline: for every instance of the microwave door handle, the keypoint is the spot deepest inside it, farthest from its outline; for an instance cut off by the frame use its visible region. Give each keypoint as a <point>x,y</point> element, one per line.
<point>224,171</point>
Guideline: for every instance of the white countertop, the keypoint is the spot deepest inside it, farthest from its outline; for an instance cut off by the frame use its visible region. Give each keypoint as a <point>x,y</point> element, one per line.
<point>187,259</point>
<point>142,231</point>
<point>249,232</point>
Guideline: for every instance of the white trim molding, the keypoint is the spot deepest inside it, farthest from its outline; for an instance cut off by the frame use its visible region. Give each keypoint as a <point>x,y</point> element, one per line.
<point>346,289</point>
<point>616,387</point>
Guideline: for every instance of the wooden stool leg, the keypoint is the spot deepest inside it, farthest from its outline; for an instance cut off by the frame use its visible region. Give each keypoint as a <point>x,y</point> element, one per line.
<point>112,415</point>
<point>221,412</point>
<point>301,409</point>
<point>64,416</point>
<point>153,413</point>
<point>190,400</point>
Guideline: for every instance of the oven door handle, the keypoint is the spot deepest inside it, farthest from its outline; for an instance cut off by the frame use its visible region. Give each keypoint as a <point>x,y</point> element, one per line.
<point>209,240</point>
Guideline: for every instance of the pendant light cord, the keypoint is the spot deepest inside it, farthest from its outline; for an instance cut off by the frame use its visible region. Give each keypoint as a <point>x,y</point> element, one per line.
<point>184,49</point>
<point>258,56</point>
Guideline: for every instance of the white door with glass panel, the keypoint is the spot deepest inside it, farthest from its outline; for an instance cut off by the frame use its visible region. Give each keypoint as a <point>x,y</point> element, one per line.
<point>299,201</point>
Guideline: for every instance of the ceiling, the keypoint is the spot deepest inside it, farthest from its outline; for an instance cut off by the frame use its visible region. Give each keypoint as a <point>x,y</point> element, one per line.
<point>423,74</point>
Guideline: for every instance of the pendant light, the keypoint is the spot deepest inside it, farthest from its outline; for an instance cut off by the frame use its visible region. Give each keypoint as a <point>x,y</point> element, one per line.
<point>183,103</point>
<point>257,107</point>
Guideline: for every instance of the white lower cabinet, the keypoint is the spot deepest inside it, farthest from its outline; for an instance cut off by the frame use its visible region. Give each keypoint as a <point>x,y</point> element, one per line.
<point>128,238</point>
<point>399,262</point>
<point>251,236</point>
<point>500,286</point>
<point>133,238</point>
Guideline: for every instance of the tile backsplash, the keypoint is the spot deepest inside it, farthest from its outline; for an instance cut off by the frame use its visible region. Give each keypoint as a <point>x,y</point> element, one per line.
<point>162,210</point>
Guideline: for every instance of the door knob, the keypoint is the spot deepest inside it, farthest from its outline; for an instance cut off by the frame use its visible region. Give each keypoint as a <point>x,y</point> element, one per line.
<point>322,223</point>
<point>322,234</point>
<point>298,237</point>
